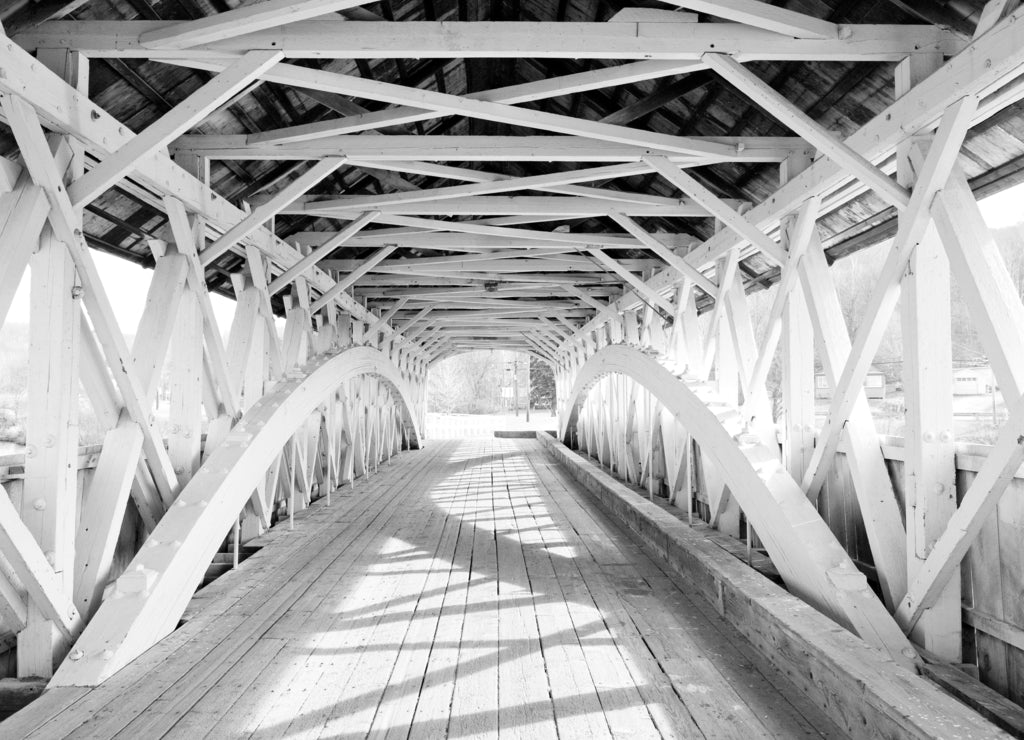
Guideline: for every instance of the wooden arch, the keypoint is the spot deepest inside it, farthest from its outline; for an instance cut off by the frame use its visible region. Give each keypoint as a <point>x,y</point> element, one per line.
<point>149,599</point>
<point>812,562</point>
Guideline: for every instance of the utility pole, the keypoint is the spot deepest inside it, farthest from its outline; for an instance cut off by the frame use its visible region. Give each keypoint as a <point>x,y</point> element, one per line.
<point>528,359</point>
<point>515,385</point>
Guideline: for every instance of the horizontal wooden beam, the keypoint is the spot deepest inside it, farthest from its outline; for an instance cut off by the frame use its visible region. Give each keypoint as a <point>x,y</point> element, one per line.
<point>466,241</point>
<point>461,105</point>
<point>330,39</point>
<point>500,205</point>
<point>440,276</point>
<point>490,187</point>
<point>457,264</point>
<point>487,149</point>
<point>548,87</point>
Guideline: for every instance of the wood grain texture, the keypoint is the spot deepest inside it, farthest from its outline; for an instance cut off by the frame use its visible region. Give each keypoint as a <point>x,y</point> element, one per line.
<point>469,588</point>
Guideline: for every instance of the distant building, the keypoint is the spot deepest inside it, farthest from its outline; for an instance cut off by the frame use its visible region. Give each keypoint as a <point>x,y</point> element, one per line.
<point>874,384</point>
<point>973,381</point>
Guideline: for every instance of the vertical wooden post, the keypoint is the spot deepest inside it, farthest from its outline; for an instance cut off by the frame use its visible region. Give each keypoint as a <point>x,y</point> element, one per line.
<point>297,326</point>
<point>186,375</point>
<point>797,360</point>
<point>929,470</point>
<point>50,500</point>
<point>726,373</point>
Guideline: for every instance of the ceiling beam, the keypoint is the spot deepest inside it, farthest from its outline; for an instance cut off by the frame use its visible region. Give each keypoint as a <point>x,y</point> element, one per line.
<point>460,105</point>
<point>511,95</point>
<point>781,108</point>
<point>556,207</point>
<point>504,185</point>
<point>492,148</point>
<point>326,39</point>
<point>171,125</point>
<point>532,240</point>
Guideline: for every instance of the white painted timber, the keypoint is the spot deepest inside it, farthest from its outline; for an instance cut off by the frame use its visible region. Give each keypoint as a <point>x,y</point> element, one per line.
<point>334,39</point>
<point>511,95</point>
<point>317,255</point>
<point>812,562</point>
<point>401,148</point>
<point>155,589</point>
<point>350,279</point>
<point>240,21</point>
<point>277,203</point>
<point>764,15</point>
<point>715,205</point>
<point>931,178</point>
<point>172,124</point>
<point>767,98</point>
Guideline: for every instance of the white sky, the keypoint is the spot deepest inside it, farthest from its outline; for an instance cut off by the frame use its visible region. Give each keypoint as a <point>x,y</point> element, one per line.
<point>1005,208</point>
<point>127,283</point>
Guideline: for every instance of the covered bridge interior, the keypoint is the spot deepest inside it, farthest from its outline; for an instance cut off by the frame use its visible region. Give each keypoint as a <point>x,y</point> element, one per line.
<point>602,184</point>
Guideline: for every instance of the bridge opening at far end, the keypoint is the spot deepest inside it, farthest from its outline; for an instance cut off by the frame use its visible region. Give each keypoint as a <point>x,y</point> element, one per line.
<point>484,392</point>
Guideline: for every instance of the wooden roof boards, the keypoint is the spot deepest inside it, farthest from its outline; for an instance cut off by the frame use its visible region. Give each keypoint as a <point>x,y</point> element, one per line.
<point>138,88</point>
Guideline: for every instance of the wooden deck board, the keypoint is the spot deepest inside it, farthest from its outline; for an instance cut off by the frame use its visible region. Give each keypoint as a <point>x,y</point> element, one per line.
<point>468,589</point>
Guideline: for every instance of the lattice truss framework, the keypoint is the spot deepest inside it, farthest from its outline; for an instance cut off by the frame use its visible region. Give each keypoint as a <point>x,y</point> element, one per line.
<point>394,281</point>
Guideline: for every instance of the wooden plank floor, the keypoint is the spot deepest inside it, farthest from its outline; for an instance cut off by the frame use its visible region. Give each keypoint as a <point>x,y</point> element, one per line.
<point>466,590</point>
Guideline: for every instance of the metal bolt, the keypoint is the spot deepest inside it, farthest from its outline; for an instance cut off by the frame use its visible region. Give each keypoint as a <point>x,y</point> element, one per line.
<point>76,655</point>
<point>39,504</point>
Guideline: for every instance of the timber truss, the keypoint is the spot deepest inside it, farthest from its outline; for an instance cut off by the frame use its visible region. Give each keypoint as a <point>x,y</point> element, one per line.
<point>660,374</point>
